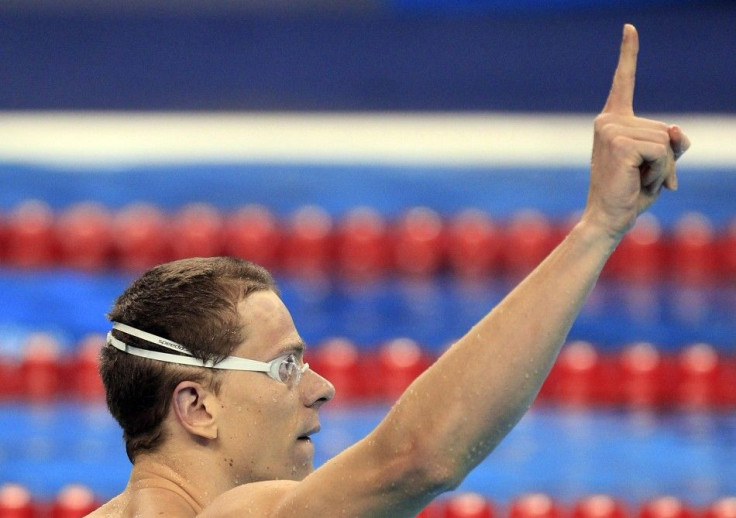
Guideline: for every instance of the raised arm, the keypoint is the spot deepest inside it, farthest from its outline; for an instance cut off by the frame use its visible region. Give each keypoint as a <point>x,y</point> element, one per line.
<point>456,413</point>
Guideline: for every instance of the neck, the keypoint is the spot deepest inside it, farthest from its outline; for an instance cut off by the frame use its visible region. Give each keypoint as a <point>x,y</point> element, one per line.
<point>190,476</point>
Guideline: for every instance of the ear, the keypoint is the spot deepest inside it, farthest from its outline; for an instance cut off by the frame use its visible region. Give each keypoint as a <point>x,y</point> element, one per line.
<point>196,409</point>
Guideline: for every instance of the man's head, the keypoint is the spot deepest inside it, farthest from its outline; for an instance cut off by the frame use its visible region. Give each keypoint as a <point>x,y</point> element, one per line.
<point>203,304</point>
<point>192,302</point>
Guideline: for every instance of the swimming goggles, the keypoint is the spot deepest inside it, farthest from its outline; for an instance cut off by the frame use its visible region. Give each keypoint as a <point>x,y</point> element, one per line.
<point>285,369</point>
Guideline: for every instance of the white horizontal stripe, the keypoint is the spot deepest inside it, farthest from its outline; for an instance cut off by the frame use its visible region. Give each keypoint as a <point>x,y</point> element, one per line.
<point>90,140</point>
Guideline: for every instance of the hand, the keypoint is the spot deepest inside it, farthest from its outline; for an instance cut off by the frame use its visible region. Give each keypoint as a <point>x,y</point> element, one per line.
<point>633,158</point>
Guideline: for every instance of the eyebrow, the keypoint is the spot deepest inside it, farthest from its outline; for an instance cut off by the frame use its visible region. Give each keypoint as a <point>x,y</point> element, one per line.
<point>297,347</point>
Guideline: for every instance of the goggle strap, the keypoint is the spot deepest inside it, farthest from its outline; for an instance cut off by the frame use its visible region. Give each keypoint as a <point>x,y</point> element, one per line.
<point>229,363</point>
<point>156,355</point>
<point>148,337</point>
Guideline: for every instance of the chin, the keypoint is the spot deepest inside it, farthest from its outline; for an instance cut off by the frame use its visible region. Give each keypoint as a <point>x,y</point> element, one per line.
<point>300,470</point>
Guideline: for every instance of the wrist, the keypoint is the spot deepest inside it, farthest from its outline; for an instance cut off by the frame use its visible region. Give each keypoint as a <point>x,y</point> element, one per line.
<point>597,236</point>
<point>615,225</point>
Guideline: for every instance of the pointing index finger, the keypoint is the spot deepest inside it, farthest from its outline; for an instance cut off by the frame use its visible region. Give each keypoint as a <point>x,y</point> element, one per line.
<point>621,98</point>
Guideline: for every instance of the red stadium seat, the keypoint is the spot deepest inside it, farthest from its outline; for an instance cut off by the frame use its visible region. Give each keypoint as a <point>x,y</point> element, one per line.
<point>722,508</point>
<point>693,249</point>
<point>419,242</point>
<point>338,360</point>
<point>666,507</point>
<point>141,237</point>
<point>599,506</point>
<point>83,369</point>
<point>73,501</point>
<point>646,376</point>
<point>698,367</point>
<point>308,242</point>
<point>726,243</point>
<point>84,234</point>
<point>474,244</point>
<point>363,245</point>
<point>580,377</point>
<point>529,238</point>
<point>16,502</point>
<point>400,361</point>
<point>11,375</point>
<point>641,252</point>
<point>253,233</point>
<point>197,230</point>
<point>468,505</point>
<point>535,505</point>
<point>41,368</point>
<point>31,239</point>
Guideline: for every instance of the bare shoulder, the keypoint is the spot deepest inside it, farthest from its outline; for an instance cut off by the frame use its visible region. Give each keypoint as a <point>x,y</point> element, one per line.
<point>255,499</point>
<point>153,503</point>
<point>113,508</point>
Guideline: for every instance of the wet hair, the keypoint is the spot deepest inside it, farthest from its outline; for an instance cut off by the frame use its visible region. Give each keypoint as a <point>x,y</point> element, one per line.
<point>191,301</point>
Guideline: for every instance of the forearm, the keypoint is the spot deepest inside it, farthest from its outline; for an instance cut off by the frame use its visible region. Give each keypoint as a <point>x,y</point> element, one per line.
<point>462,407</point>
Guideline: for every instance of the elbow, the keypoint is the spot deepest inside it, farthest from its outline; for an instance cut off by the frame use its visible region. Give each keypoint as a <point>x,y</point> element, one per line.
<point>420,460</point>
<point>441,479</point>
<point>427,470</point>
<point>442,473</point>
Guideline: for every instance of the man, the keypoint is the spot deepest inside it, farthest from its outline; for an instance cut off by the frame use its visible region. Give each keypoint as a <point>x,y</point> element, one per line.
<point>211,436</point>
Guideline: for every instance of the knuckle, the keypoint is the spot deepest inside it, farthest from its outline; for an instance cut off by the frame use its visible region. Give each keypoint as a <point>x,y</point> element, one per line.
<point>609,131</point>
<point>620,143</point>
<point>601,120</point>
<point>664,127</point>
<point>663,138</point>
<point>654,124</point>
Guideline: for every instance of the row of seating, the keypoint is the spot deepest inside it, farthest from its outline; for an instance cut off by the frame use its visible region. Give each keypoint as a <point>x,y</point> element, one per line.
<point>361,244</point>
<point>72,501</point>
<point>639,375</point>
<point>540,505</point>
<point>76,501</point>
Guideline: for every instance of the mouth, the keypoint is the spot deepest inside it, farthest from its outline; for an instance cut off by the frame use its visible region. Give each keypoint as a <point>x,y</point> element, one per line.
<point>306,437</point>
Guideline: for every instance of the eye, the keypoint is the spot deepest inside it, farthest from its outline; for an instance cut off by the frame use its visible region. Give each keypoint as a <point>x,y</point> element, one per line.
<point>289,371</point>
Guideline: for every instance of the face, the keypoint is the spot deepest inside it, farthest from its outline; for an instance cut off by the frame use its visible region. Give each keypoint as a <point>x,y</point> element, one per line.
<point>263,424</point>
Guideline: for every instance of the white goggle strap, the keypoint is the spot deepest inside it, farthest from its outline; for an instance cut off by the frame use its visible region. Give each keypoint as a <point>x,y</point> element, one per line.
<point>155,355</point>
<point>148,337</point>
<point>229,363</point>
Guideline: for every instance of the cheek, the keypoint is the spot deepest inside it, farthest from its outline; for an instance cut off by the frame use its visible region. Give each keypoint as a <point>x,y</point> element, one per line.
<point>282,412</point>
<point>268,413</point>
<point>245,410</point>
<point>257,405</point>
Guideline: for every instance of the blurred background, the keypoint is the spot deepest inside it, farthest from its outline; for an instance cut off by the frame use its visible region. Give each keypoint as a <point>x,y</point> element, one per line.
<point>399,165</point>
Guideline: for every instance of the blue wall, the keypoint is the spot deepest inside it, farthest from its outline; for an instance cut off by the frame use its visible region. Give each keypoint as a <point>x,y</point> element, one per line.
<point>406,55</point>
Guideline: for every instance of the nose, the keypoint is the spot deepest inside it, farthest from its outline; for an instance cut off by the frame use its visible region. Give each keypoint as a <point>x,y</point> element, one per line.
<point>315,390</point>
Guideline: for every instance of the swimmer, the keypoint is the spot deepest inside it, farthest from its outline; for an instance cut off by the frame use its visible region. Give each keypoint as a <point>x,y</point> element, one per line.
<point>204,368</point>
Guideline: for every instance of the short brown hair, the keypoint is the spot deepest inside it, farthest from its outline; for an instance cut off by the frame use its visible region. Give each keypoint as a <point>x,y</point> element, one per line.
<point>191,301</point>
